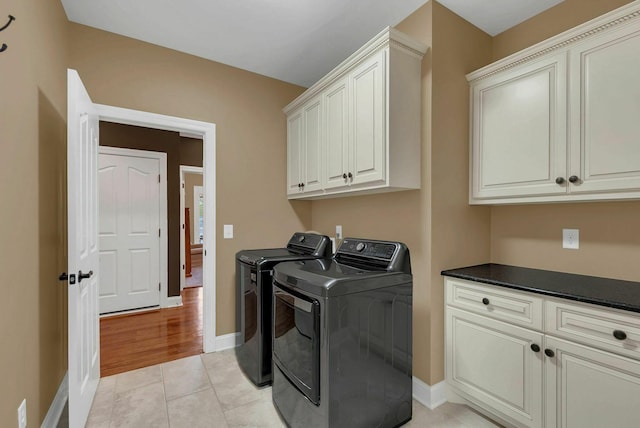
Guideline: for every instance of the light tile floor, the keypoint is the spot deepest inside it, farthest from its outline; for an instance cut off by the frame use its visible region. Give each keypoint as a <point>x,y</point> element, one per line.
<point>210,390</point>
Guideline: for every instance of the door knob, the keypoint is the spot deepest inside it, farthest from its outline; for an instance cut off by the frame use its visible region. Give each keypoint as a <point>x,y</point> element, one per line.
<point>485,301</point>
<point>549,353</point>
<point>573,179</point>
<point>535,348</point>
<point>63,276</point>
<point>350,175</point>
<point>82,276</point>
<point>344,176</point>
<point>559,180</point>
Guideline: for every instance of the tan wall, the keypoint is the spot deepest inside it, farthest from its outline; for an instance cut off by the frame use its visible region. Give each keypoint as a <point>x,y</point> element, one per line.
<point>531,235</point>
<point>250,140</point>
<point>191,180</point>
<point>33,320</point>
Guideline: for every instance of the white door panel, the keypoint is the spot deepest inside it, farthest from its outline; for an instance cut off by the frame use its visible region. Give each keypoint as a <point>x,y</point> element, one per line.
<point>129,232</point>
<point>83,335</point>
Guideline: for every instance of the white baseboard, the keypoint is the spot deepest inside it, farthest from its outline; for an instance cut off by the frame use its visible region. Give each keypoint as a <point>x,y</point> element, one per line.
<point>430,396</point>
<point>172,301</point>
<point>57,405</point>
<point>227,341</point>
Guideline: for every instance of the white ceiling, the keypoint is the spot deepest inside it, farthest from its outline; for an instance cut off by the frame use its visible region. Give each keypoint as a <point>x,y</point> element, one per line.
<point>297,41</point>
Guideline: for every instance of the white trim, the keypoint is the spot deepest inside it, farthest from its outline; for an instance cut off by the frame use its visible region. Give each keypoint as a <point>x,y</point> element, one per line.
<point>227,341</point>
<point>164,229</point>
<point>191,170</point>
<point>208,132</point>
<point>174,301</point>
<point>430,396</point>
<point>57,405</point>
<point>197,190</point>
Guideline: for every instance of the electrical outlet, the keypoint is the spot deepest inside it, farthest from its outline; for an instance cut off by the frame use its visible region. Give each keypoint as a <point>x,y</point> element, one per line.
<point>571,239</point>
<point>22,414</point>
<point>339,232</point>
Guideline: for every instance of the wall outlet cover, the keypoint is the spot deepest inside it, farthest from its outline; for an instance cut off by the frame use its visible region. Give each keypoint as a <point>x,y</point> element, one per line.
<point>571,239</point>
<point>228,231</point>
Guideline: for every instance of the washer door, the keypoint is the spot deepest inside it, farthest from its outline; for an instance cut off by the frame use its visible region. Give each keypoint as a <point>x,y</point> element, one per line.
<point>296,341</point>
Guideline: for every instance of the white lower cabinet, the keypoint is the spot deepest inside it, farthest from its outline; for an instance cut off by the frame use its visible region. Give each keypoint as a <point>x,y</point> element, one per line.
<point>527,377</point>
<point>589,388</point>
<point>492,363</point>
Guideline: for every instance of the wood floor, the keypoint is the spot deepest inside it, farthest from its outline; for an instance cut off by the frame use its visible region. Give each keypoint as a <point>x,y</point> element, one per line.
<point>129,342</point>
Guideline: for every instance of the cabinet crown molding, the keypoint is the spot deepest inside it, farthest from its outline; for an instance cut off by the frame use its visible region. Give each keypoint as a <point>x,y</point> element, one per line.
<point>387,37</point>
<point>618,17</point>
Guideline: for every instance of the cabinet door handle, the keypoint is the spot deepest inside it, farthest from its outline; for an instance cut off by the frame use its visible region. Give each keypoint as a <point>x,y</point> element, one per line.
<point>559,180</point>
<point>549,353</point>
<point>302,185</point>
<point>573,179</point>
<point>619,334</point>
<point>350,175</point>
<point>535,348</point>
<point>485,300</point>
<point>344,176</point>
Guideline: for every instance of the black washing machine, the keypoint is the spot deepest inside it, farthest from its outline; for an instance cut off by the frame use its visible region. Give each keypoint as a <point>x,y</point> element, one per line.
<point>254,294</point>
<point>342,337</point>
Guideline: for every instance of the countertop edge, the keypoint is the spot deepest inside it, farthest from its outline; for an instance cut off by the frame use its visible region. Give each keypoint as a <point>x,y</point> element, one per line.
<point>538,290</point>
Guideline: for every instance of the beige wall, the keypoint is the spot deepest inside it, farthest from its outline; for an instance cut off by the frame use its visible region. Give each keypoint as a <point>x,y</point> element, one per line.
<point>250,140</point>
<point>191,180</point>
<point>531,235</point>
<point>33,321</point>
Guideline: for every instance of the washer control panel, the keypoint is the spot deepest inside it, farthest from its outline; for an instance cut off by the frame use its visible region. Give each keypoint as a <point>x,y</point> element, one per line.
<point>367,248</point>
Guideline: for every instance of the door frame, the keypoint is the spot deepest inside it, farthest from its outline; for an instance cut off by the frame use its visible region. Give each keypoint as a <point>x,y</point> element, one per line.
<point>207,131</point>
<point>165,301</point>
<point>183,245</point>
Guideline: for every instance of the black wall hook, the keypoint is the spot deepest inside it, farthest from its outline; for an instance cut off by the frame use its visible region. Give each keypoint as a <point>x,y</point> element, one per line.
<point>11,19</point>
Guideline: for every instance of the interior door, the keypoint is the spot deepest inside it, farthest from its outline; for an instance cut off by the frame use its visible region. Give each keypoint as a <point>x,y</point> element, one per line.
<point>129,208</point>
<point>84,337</point>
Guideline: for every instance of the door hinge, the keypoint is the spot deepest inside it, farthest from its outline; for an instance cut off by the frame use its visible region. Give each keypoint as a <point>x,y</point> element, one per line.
<point>158,178</point>
<point>182,267</point>
<point>159,286</point>
<point>183,226</point>
<point>159,232</point>
<point>183,185</point>
<point>205,252</point>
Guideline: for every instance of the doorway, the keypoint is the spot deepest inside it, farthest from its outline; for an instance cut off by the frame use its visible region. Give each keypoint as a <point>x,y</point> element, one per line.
<point>192,204</point>
<point>207,132</point>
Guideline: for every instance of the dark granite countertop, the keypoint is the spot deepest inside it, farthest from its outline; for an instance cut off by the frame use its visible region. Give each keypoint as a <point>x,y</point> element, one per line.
<point>612,293</point>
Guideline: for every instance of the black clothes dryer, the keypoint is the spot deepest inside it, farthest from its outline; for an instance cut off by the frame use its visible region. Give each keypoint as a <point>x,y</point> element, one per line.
<point>253,299</point>
<point>342,347</point>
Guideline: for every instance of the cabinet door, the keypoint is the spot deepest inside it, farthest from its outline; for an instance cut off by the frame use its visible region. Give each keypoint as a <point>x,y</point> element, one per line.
<point>311,167</point>
<point>337,134</point>
<point>605,106</point>
<point>295,151</point>
<point>368,121</point>
<point>590,388</point>
<point>519,131</point>
<point>491,363</point>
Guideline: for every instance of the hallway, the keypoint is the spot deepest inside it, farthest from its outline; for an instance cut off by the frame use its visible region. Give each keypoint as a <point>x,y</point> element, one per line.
<point>129,342</point>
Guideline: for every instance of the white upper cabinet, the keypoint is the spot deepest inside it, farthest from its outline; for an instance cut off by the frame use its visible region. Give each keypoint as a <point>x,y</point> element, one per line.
<point>368,138</point>
<point>519,130</point>
<point>304,149</point>
<point>559,121</point>
<point>605,112</point>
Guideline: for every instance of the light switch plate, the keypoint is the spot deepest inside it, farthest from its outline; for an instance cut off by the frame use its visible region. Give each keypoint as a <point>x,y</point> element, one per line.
<point>339,231</point>
<point>228,231</point>
<point>571,239</point>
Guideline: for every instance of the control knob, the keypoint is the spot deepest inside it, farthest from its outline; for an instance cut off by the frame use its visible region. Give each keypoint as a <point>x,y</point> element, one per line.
<point>360,246</point>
